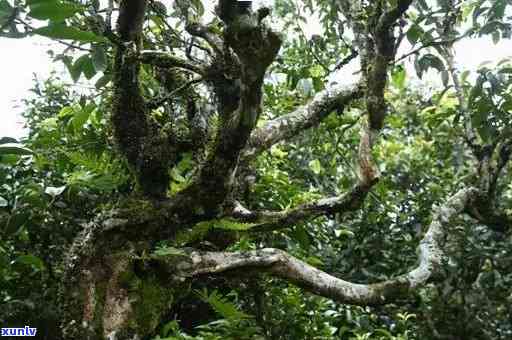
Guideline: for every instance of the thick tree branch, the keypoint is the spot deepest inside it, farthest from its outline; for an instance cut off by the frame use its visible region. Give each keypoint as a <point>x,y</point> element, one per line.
<point>133,131</point>
<point>368,176</point>
<point>280,264</point>
<point>389,18</point>
<point>304,117</point>
<point>237,80</point>
<point>131,19</point>
<point>214,41</point>
<point>167,60</point>
<point>491,157</point>
<point>272,220</point>
<point>380,54</point>
<point>486,209</point>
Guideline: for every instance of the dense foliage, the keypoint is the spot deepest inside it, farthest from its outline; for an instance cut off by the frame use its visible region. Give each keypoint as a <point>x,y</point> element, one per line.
<point>70,169</point>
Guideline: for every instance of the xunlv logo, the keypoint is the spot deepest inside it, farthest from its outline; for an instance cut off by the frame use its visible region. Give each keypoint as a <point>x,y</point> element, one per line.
<point>25,331</point>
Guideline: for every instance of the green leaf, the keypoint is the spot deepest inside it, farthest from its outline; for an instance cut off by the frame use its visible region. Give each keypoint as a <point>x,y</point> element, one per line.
<point>384,332</point>
<point>14,149</point>
<point>170,327</point>
<point>492,27</point>
<point>423,4</point>
<point>480,119</point>
<point>301,236</point>
<point>31,260</point>
<point>6,12</point>
<point>275,151</point>
<point>105,183</point>
<point>222,305</point>
<point>103,81</point>
<point>414,33</point>
<point>78,67</point>
<point>74,72</point>
<point>476,92</point>
<point>83,64</point>
<point>53,10</point>
<point>5,140</point>
<point>398,77</point>
<point>88,68</point>
<point>65,111</point>
<point>15,222</point>
<point>498,10</point>
<point>177,176</point>
<point>80,117</point>
<point>54,191</point>
<point>429,61</point>
<point>316,71</point>
<point>99,58</point>
<point>315,166</point>
<point>198,6</point>
<point>3,202</point>
<point>61,31</point>
<point>344,232</point>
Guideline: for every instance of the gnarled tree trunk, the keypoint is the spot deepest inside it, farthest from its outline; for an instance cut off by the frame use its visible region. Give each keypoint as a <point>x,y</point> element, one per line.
<point>116,286</point>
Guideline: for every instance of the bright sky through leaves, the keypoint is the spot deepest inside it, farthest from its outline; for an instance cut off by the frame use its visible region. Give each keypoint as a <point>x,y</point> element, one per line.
<point>22,58</point>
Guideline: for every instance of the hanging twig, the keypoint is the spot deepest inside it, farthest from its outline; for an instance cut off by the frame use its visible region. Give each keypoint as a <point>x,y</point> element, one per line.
<point>159,102</point>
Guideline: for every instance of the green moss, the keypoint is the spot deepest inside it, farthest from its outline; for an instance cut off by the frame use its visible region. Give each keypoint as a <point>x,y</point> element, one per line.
<point>139,210</point>
<point>198,232</point>
<point>100,295</point>
<point>129,281</point>
<point>152,299</point>
<point>149,299</point>
<point>202,230</point>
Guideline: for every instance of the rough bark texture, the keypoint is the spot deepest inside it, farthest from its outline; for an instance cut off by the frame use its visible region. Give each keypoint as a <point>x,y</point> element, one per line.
<point>305,117</point>
<point>280,264</point>
<point>115,287</point>
<point>144,146</point>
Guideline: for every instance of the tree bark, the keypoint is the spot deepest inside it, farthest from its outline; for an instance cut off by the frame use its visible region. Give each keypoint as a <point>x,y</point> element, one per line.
<point>116,286</point>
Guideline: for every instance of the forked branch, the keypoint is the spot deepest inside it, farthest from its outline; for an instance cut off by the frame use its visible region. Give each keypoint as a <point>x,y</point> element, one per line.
<point>280,264</point>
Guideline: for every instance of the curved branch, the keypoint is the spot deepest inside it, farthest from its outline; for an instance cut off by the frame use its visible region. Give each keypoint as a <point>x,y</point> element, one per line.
<point>389,18</point>
<point>168,60</point>
<point>280,264</point>
<point>272,220</point>
<point>237,83</point>
<point>212,39</point>
<point>305,117</point>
